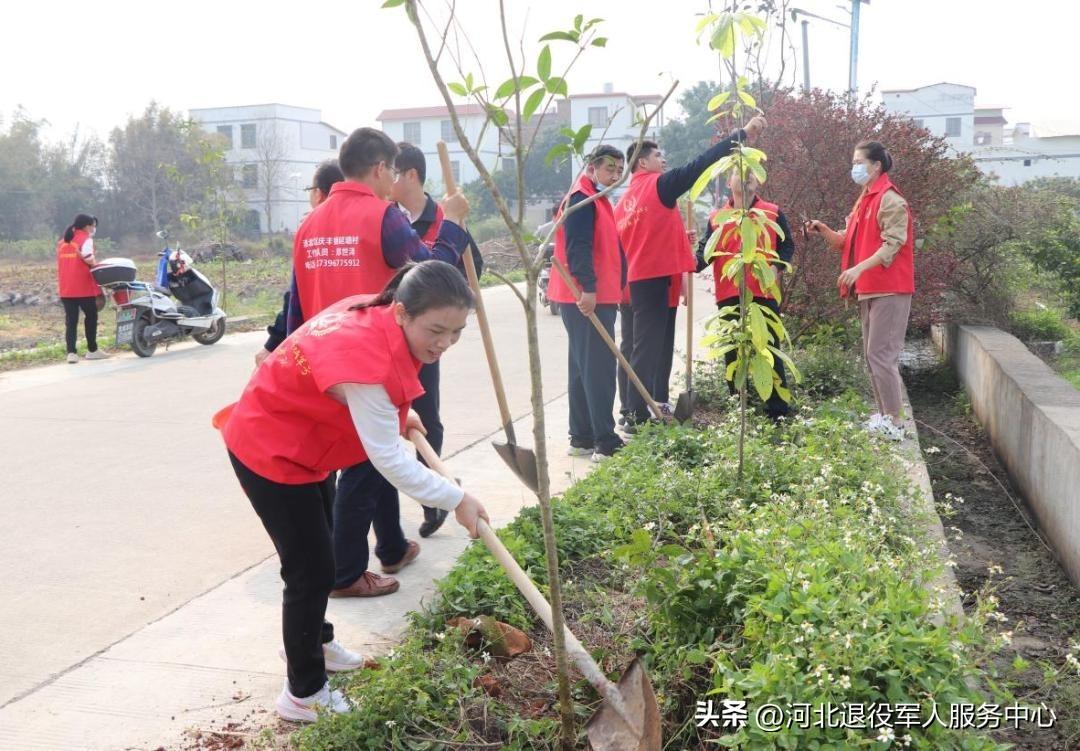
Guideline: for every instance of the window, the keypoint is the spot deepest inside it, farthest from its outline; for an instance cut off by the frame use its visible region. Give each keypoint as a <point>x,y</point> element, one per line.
<point>225,131</point>
<point>251,176</point>
<point>411,133</point>
<point>333,141</point>
<point>598,118</point>
<point>952,127</point>
<point>455,170</point>
<point>1027,162</point>
<point>247,136</point>
<point>446,131</point>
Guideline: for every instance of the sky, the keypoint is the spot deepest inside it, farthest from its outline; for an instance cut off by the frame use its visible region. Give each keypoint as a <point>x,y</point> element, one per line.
<point>89,66</point>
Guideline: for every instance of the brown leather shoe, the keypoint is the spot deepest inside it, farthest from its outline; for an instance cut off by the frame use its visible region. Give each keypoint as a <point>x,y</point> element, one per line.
<point>411,551</point>
<point>368,585</point>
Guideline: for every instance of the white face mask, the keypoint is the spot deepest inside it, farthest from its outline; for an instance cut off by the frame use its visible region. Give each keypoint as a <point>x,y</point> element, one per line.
<point>859,174</point>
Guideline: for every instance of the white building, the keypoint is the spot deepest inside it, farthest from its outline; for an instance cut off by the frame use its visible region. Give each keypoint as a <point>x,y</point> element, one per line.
<point>1034,150</point>
<point>275,149</point>
<point>615,117</point>
<point>423,127</point>
<point>944,109</point>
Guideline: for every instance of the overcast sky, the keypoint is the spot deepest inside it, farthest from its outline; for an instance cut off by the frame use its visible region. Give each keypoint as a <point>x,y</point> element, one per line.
<point>92,64</point>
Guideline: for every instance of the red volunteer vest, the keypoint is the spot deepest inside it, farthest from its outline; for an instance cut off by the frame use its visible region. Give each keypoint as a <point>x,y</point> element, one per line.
<point>607,260</point>
<point>338,249</point>
<point>72,274</point>
<point>653,236</point>
<point>863,239</point>
<point>286,427</point>
<point>725,249</point>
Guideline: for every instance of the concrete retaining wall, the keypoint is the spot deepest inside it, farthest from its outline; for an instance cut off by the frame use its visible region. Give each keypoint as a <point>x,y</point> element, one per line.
<point>1032,416</point>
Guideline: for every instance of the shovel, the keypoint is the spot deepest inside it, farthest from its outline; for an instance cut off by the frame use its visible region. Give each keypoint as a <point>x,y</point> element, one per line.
<point>558,266</point>
<point>521,461</point>
<point>628,718</point>
<point>684,408</point>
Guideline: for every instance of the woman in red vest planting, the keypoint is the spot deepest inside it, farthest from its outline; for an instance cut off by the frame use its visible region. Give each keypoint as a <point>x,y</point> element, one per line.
<point>727,292</point>
<point>588,245</point>
<point>878,265</point>
<point>77,288</point>
<point>335,394</point>
<point>658,253</point>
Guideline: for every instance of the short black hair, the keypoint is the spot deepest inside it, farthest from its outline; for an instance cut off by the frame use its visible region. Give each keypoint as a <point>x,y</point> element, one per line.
<point>410,157</point>
<point>326,174</point>
<point>605,151</point>
<point>635,152</point>
<point>363,149</point>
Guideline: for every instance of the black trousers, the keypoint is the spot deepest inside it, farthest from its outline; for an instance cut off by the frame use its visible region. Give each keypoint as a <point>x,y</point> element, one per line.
<point>365,499</point>
<point>297,518</point>
<point>775,406</point>
<point>626,347</point>
<point>591,381</point>
<point>427,407</point>
<point>72,306</point>
<point>654,342</point>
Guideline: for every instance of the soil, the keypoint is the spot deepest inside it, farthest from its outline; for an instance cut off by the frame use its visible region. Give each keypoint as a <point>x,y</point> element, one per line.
<point>993,527</point>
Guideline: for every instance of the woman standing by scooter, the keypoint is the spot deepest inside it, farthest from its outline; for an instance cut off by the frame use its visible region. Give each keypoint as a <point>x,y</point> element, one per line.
<point>335,394</point>
<point>77,288</point>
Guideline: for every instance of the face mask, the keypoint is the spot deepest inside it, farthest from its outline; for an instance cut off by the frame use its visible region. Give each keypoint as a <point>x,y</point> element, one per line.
<point>859,174</point>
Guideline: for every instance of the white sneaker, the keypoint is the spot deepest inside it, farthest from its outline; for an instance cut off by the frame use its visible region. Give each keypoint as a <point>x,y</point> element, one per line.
<point>338,658</point>
<point>307,709</point>
<point>72,358</point>
<point>873,423</point>
<point>97,354</point>
<point>579,451</point>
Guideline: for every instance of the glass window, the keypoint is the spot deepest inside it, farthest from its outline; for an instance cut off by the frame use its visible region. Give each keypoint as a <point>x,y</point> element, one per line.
<point>247,136</point>
<point>952,127</point>
<point>251,176</point>
<point>411,133</point>
<point>598,118</point>
<point>225,131</point>
<point>333,140</point>
<point>446,129</point>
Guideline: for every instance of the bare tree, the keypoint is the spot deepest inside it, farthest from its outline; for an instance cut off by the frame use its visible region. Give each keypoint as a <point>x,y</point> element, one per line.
<point>271,156</point>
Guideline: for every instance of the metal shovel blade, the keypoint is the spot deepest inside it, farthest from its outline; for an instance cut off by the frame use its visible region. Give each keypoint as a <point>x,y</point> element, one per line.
<point>521,461</point>
<point>639,730</point>
<point>684,408</point>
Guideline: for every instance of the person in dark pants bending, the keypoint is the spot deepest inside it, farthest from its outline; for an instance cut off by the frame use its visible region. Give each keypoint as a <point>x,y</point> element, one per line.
<point>658,252</point>
<point>588,245</point>
<point>727,291</point>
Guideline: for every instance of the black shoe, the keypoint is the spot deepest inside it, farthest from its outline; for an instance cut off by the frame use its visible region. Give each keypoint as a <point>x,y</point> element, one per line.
<point>433,519</point>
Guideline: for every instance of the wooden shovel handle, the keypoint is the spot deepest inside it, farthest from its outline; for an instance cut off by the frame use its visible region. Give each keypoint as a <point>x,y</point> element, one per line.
<point>572,284</point>
<point>447,170</point>
<point>690,227</point>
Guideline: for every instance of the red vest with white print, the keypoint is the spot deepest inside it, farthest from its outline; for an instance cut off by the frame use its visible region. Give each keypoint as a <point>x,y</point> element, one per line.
<point>863,239</point>
<point>653,236</point>
<point>607,259</point>
<point>338,249</point>
<point>72,274</point>
<point>731,245</point>
<point>286,427</point>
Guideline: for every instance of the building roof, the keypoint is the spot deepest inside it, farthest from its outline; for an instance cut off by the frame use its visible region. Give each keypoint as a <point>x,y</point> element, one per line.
<point>407,113</point>
<point>1056,128</point>
<point>927,86</point>
<point>638,98</point>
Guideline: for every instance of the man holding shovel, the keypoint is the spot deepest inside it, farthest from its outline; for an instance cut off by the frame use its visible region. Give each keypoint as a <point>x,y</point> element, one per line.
<point>353,243</point>
<point>588,245</point>
<point>658,252</point>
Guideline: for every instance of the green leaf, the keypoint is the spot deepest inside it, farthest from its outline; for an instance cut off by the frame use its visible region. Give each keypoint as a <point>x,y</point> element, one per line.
<point>563,36</point>
<point>532,103</point>
<point>506,88</point>
<point>458,88</point>
<point>557,86</point>
<point>582,136</point>
<point>558,151</point>
<point>599,42</point>
<point>704,179</point>
<point>704,22</point>
<point>578,20</point>
<point>469,81</point>
<point>719,99</point>
<point>393,3</point>
<point>747,99</point>
<point>723,39</point>
<point>762,374</point>
<point>543,63</point>
<point>498,115</point>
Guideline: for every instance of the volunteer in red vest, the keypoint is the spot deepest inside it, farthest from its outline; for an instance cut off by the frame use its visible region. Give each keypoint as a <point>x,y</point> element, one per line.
<point>877,265</point>
<point>425,216</point>
<point>588,245</point>
<point>336,393</point>
<point>658,252</point>
<point>77,288</point>
<point>351,244</point>
<point>727,291</point>
<point>326,174</point>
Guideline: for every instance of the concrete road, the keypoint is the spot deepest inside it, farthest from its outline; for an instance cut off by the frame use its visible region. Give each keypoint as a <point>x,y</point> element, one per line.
<point>141,595</point>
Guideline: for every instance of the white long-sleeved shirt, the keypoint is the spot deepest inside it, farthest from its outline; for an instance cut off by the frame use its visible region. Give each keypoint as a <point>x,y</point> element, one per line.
<point>376,421</point>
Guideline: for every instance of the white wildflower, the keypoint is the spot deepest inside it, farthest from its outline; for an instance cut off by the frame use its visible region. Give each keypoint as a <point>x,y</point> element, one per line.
<point>886,735</point>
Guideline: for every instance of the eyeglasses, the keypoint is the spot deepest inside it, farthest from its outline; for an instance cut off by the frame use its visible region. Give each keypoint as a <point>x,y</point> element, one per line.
<point>311,188</point>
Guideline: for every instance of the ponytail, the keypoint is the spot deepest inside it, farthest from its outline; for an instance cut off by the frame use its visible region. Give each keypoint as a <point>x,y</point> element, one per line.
<point>82,221</point>
<point>424,286</point>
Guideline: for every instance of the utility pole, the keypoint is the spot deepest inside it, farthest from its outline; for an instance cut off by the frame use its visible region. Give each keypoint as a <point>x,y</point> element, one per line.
<point>805,55</point>
<point>853,63</point>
